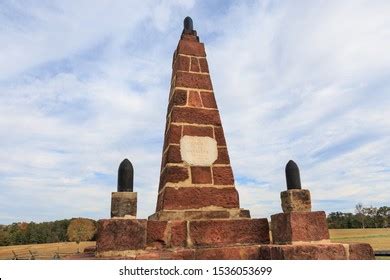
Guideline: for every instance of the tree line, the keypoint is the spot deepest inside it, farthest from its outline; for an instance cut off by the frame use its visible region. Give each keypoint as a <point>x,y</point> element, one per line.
<point>77,229</point>
<point>363,217</point>
<point>81,229</point>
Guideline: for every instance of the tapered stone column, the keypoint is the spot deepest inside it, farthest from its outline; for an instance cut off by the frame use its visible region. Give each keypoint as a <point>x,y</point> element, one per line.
<point>196,180</point>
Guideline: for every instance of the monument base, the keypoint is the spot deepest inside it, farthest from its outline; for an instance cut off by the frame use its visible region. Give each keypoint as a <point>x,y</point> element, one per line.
<point>333,251</point>
<point>116,235</point>
<point>219,239</point>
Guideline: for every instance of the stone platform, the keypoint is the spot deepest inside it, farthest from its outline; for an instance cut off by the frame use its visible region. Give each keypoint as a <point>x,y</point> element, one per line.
<point>332,251</point>
<point>219,239</point>
<point>126,237</point>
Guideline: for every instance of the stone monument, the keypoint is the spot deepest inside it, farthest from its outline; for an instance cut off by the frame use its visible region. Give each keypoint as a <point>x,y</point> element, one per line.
<point>198,213</point>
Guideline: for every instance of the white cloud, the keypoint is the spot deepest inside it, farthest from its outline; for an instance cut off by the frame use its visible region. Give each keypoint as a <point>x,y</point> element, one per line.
<point>84,85</point>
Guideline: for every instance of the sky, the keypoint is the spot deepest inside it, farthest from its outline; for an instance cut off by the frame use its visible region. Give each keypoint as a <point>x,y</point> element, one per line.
<point>85,84</point>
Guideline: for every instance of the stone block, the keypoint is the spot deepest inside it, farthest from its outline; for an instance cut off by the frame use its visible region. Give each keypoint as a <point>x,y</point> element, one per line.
<point>195,65</point>
<point>228,253</point>
<point>194,99</point>
<point>182,63</point>
<point>191,48</point>
<point>293,227</point>
<point>192,130</point>
<point>217,233</point>
<point>190,37</point>
<point>296,200</point>
<point>160,201</point>
<point>198,197</point>
<point>124,205</point>
<point>193,80</point>
<point>223,175</point>
<point>178,235</point>
<point>361,251</point>
<point>169,215</point>
<point>121,235</point>
<point>208,99</point>
<point>223,156</point>
<point>244,213</point>
<point>219,136</point>
<point>172,155</point>
<point>173,174</point>
<point>303,252</point>
<point>195,116</point>
<point>204,67</point>
<point>166,234</point>
<point>201,175</point>
<point>157,234</point>
<point>179,98</point>
<point>173,135</point>
<point>202,215</point>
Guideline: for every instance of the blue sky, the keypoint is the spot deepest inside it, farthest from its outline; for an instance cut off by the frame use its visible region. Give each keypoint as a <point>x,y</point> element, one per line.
<point>84,84</point>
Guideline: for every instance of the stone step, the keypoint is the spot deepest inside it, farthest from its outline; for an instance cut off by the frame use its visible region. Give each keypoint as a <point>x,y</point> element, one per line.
<point>333,251</point>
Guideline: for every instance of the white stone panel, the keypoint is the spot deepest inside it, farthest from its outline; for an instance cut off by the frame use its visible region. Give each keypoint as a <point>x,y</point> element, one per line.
<point>200,151</point>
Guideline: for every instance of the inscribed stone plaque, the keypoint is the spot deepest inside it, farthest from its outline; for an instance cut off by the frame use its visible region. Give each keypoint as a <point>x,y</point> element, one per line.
<point>201,151</point>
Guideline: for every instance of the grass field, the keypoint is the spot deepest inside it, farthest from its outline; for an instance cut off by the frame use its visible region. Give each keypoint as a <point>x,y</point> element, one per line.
<point>378,238</point>
<point>43,251</point>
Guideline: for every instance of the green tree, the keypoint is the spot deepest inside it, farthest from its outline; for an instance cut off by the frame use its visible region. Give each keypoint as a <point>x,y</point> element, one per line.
<point>18,233</point>
<point>383,216</point>
<point>4,237</point>
<point>360,213</point>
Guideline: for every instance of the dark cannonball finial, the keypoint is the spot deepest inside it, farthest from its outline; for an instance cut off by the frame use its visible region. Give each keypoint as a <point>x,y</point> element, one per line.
<point>293,178</point>
<point>125,176</point>
<point>188,25</point>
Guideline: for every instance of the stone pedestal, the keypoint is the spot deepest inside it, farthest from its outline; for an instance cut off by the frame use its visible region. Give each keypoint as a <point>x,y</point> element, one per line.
<point>296,200</point>
<point>120,235</point>
<point>129,238</point>
<point>298,227</point>
<point>124,205</point>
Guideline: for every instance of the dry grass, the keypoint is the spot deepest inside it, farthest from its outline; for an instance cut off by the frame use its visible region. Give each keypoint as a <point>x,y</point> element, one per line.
<point>379,238</point>
<point>43,251</point>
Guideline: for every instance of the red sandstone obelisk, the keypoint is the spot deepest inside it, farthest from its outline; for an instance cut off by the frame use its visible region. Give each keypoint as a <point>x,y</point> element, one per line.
<point>196,180</point>
<point>197,214</point>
